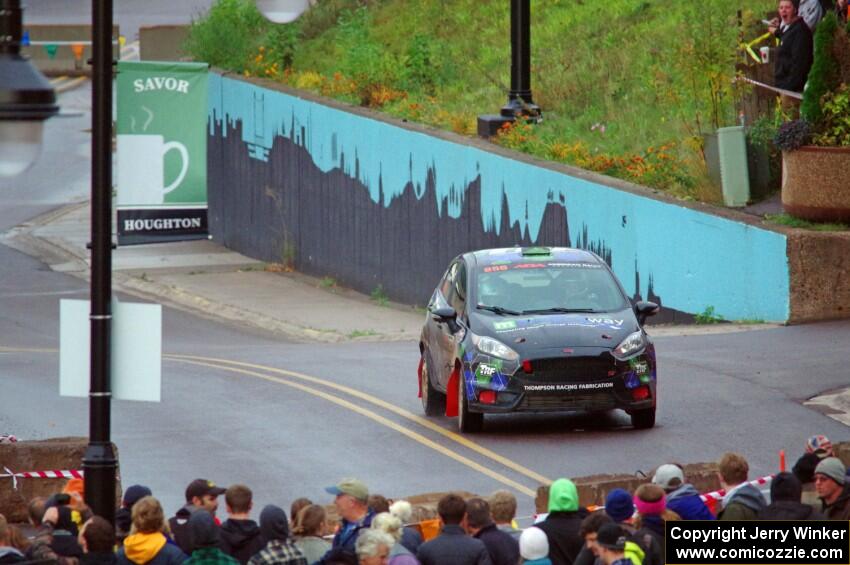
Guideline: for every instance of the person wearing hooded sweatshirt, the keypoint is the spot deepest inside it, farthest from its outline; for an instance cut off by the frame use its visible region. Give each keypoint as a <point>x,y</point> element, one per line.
<point>742,501</point>
<point>785,493</point>
<point>123,516</point>
<point>147,542</point>
<point>240,536</point>
<point>682,497</point>
<point>562,524</point>
<point>205,539</point>
<point>279,549</point>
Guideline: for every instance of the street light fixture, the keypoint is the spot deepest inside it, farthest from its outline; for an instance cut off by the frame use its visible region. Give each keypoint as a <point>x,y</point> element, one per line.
<point>283,11</point>
<point>520,104</point>
<point>26,97</point>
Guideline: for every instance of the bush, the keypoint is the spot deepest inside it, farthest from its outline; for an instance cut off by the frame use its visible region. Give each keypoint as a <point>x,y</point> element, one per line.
<point>229,34</point>
<point>834,129</point>
<point>792,135</point>
<point>824,75</point>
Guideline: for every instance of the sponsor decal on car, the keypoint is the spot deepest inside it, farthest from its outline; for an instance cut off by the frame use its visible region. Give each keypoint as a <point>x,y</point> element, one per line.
<point>567,387</point>
<point>506,325</point>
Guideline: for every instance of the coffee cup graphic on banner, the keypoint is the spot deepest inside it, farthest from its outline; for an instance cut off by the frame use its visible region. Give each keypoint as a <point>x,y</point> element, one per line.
<point>141,169</point>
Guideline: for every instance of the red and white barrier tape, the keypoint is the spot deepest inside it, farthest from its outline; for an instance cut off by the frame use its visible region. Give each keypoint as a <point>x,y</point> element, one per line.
<point>788,93</point>
<point>52,474</point>
<point>719,494</point>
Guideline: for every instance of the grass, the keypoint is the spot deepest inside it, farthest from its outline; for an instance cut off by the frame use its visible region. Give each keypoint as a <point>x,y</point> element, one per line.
<point>328,283</point>
<point>616,84</point>
<point>380,296</point>
<point>362,333</point>
<point>708,316</point>
<point>792,222</point>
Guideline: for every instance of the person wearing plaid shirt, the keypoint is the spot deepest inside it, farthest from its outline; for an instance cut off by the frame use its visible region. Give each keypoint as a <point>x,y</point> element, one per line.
<point>280,550</point>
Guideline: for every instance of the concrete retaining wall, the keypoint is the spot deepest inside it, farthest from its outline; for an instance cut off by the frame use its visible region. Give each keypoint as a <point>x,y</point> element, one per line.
<point>45,455</point>
<point>820,286</point>
<point>344,192</point>
<point>163,43</point>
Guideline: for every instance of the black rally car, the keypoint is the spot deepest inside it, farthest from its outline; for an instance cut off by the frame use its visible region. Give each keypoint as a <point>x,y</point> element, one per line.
<point>535,330</point>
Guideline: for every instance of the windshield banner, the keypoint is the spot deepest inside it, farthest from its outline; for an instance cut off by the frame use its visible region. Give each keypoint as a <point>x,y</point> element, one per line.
<point>162,152</point>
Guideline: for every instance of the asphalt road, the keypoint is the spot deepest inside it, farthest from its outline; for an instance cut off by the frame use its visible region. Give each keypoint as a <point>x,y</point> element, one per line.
<point>288,419</point>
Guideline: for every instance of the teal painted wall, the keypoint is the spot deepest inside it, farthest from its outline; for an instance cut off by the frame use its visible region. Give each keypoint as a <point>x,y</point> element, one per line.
<point>693,259</point>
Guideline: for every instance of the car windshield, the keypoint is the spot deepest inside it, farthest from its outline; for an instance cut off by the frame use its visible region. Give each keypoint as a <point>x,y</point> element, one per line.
<point>547,287</point>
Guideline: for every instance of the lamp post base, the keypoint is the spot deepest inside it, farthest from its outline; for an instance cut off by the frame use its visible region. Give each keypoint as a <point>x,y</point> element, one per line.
<point>100,468</point>
<point>490,124</point>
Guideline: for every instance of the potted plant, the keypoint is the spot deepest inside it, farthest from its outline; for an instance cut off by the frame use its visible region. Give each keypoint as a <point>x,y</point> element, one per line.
<point>816,147</point>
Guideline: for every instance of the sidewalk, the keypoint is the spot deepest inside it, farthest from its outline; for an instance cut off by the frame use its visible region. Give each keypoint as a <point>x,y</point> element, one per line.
<point>207,279</point>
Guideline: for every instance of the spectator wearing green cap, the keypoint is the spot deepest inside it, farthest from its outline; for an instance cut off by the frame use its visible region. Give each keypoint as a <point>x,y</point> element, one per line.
<point>352,504</point>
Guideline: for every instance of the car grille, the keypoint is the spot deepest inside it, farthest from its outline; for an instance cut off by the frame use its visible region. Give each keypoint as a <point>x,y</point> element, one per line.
<point>594,400</point>
<point>565,369</point>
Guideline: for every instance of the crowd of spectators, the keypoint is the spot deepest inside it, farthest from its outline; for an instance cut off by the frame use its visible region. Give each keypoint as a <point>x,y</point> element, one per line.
<point>371,530</point>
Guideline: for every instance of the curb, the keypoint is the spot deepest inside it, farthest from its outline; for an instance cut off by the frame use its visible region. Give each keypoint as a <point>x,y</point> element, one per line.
<point>63,258</point>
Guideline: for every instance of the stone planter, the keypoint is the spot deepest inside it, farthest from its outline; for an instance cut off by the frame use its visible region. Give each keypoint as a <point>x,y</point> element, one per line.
<point>816,183</point>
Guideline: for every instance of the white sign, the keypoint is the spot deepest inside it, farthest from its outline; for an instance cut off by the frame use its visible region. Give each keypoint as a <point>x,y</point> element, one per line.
<point>136,353</point>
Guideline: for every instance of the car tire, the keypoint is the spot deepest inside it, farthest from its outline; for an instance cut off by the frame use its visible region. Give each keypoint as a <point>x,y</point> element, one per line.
<point>467,422</point>
<point>433,401</point>
<point>643,419</point>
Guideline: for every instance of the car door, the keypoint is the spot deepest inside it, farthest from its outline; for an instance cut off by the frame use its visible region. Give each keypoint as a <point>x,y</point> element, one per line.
<point>435,328</point>
<point>443,353</point>
<point>453,331</point>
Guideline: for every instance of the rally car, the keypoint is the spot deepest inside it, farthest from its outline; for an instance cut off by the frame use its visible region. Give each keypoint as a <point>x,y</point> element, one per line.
<point>535,330</point>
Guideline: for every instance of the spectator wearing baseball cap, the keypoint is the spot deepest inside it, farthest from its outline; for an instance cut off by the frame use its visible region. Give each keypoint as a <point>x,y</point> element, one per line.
<point>833,488</point>
<point>820,446</point>
<point>352,504</point>
<point>611,542</point>
<point>682,497</point>
<point>201,494</point>
<point>123,516</point>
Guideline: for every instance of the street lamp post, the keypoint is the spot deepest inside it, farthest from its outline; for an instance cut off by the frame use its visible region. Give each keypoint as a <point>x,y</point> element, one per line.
<point>99,463</point>
<point>520,103</point>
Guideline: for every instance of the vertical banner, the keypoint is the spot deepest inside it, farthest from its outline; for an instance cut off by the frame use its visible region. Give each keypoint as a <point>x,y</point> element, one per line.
<point>162,151</point>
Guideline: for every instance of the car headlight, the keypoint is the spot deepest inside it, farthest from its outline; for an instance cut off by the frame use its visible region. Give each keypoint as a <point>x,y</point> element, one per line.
<point>494,348</point>
<point>629,346</point>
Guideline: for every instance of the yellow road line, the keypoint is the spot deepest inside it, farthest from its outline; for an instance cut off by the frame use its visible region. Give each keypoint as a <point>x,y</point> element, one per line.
<point>457,438</point>
<point>58,79</point>
<point>372,416</point>
<point>26,350</point>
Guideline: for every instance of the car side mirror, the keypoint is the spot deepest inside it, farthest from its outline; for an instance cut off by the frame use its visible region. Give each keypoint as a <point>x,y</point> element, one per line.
<point>644,309</point>
<point>444,313</point>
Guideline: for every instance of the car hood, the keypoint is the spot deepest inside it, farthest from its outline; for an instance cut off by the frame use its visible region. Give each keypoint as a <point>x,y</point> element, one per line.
<point>538,333</point>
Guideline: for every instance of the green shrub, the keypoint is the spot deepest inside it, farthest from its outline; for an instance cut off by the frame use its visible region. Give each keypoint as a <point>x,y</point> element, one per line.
<point>824,75</point>
<point>834,129</point>
<point>228,35</point>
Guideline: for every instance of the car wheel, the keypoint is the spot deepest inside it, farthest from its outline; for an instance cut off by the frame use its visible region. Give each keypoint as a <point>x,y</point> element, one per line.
<point>467,422</point>
<point>643,419</point>
<point>433,401</point>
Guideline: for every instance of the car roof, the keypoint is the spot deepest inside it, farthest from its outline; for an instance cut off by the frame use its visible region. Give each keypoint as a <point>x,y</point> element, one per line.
<point>514,254</point>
